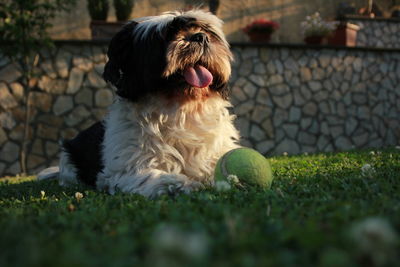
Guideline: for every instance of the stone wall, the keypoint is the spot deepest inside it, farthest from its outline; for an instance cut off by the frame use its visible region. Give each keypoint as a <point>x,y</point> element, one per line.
<point>378,32</point>
<point>287,98</point>
<point>300,99</point>
<point>69,96</point>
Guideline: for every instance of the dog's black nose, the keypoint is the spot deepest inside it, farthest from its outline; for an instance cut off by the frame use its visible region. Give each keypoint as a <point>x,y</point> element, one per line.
<point>199,37</point>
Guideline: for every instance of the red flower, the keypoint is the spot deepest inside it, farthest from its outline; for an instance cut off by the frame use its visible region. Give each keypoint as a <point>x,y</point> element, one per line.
<point>261,26</point>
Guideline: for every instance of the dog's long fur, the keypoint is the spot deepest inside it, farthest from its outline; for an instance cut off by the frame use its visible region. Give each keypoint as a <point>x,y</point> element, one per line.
<point>161,135</point>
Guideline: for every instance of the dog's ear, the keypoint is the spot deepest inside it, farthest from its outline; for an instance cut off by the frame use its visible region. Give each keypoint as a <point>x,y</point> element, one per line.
<point>120,53</point>
<point>136,59</point>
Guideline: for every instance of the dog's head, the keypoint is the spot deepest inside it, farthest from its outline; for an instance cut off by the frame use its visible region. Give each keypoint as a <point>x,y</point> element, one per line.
<point>181,54</point>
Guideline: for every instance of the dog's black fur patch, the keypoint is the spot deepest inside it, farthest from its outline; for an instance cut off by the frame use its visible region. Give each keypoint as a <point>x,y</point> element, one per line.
<point>84,152</point>
<point>135,67</point>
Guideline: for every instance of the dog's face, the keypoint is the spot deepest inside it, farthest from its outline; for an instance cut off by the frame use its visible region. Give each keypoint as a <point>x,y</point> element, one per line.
<point>182,55</point>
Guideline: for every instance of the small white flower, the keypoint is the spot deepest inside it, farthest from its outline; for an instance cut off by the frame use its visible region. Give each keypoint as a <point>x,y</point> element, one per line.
<point>285,153</point>
<point>196,245</point>
<point>280,193</point>
<point>78,196</point>
<point>314,25</point>
<point>374,238</point>
<point>222,186</point>
<point>367,170</point>
<point>169,241</point>
<point>233,179</point>
<point>165,237</point>
<point>366,167</point>
<point>372,153</point>
<point>42,194</point>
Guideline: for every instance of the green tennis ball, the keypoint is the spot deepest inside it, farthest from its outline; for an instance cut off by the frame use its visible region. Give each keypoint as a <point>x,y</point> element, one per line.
<point>249,166</point>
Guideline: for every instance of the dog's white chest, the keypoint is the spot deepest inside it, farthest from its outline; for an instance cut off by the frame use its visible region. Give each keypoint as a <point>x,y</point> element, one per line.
<point>185,141</point>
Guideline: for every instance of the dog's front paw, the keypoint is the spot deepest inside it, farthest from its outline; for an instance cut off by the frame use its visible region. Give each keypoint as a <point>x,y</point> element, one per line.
<point>185,187</point>
<point>179,184</point>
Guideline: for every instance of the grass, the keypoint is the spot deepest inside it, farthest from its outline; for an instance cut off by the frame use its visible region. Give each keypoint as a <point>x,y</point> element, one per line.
<point>317,213</point>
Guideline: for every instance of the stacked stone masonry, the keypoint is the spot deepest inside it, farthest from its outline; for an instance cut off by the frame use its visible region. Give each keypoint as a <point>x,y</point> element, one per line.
<point>286,99</point>
<point>69,95</point>
<point>378,33</point>
<point>311,100</point>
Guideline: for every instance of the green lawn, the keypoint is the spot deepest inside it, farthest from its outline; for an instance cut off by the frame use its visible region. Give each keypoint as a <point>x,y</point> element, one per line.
<point>322,210</point>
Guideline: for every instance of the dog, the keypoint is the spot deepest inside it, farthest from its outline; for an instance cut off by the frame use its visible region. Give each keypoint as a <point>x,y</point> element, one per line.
<point>169,122</point>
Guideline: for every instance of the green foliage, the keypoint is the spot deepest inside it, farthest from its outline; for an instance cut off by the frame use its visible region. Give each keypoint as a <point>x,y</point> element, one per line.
<point>24,24</point>
<point>306,219</point>
<point>123,9</point>
<point>98,9</point>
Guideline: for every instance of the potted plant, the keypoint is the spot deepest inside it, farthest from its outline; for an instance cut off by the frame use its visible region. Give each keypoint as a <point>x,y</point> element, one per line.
<point>395,9</point>
<point>315,30</point>
<point>213,6</point>
<point>261,30</point>
<point>396,12</point>
<point>123,9</point>
<point>345,33</point>
<point>98,11</point>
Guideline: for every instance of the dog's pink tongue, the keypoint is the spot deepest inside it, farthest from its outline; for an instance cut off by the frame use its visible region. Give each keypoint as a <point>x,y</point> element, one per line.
<point>198,76</point>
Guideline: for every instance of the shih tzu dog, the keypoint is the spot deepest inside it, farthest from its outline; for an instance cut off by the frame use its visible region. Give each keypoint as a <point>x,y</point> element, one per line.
<point>169,123</point>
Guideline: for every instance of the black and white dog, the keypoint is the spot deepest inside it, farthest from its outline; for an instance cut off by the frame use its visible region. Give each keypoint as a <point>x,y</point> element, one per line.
<point>169,123</point>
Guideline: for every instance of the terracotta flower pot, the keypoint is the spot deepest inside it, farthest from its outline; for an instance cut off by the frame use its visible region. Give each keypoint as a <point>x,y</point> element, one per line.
<point>314,40</point>
<point>345,35</point>
<point>257,37</point>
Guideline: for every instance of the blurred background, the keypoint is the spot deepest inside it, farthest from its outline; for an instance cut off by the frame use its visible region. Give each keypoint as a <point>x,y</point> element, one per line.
<point>235,13</point>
